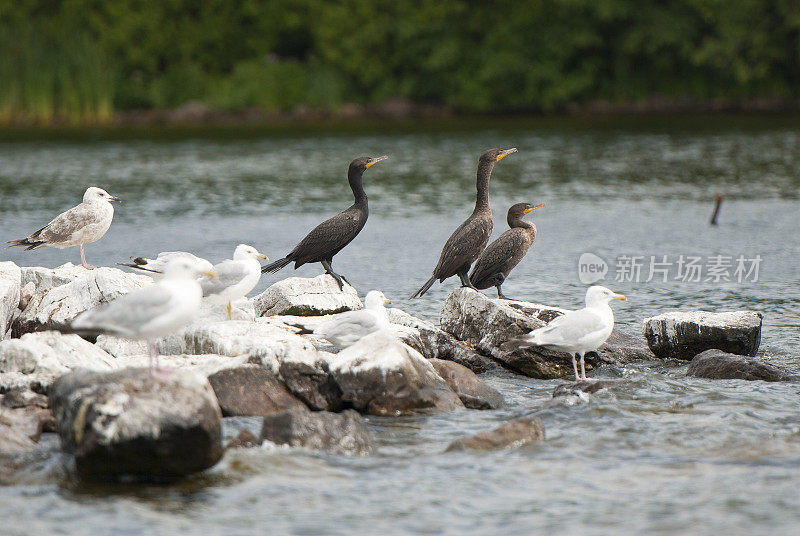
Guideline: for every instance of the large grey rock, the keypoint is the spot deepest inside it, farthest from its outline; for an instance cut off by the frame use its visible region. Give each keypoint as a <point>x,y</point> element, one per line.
<point>20,423</point>
<point>380,375</point>
<point>300,296</point>
<point>60,304</point>
<point>10,288</point>
<point>683,335</point>
<point>717,365</point>
<point>472,391</point>
<point>13,439</point>
<point>45,279</point>
<point>124,423</point>
<point>340,433</point>
<point>512,435</point>
<point>433,342</point>
<point>251,390</point>
<point>36,359</point>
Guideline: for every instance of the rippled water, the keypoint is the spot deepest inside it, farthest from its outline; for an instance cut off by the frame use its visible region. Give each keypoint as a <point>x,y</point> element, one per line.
<point>662,454</point>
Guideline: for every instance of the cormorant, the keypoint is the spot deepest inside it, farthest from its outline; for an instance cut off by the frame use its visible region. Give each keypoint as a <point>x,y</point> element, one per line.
<point>329,237</point>
<point>469,239</point>
<point>502,255</point>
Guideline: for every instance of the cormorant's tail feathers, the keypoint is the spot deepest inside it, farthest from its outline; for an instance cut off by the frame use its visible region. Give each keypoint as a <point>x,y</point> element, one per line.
<point>275,266</point>
<point>428,284</point>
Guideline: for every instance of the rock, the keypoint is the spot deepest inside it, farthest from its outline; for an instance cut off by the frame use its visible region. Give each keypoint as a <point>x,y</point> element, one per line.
<point>119,347</point>
<point>244,439</point>
<point>339,433</point>
<point>13,439</point>
<point>683,335</point>
<point>716,365</point>
<point>25,294</point>
<point>586,387</point>
<point>306,297</point>
<point>45,279</point>
<point>124,423</point>
<point>512,435</point>
<point>433,342</point>
<point>22,422</point>
<point>60,304</point>
<point>309,379</point>
<point>10,290</point>
<point>380,375</point>
<point>251,390</point>
<point>36,359</point>
<point>622,348</point>
<point>24,398</point>
<point>472,391</point>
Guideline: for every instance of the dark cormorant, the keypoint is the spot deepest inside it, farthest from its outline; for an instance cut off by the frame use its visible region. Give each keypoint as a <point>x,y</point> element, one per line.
<point>469,239</point>
<point>329,237</point>
<point>502,255</point>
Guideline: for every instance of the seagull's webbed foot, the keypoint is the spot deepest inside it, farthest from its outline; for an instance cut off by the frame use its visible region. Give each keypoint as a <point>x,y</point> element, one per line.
<point>161,374</point>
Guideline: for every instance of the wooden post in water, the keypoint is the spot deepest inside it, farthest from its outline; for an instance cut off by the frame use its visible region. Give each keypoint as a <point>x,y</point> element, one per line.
<point>716,209</point>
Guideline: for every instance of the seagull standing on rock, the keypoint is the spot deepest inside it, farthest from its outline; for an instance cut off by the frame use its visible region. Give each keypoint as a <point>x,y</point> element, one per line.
<point>576,332</point>
<point>234,278</point>
<point>346,329</point>
<point>78,226</point>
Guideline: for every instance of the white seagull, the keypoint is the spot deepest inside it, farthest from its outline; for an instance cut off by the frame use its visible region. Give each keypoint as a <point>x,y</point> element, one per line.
<point>346,329</point>
<point>151,312</point>
<point>234,278</point>
<point>78,226</point>
<point>578,332</point>
<point>155,267</point>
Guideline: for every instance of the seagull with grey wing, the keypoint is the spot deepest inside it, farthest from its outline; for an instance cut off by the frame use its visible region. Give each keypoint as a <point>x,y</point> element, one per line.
<point>233,278</point>
<point>155,267</point>
<point>78,226</point>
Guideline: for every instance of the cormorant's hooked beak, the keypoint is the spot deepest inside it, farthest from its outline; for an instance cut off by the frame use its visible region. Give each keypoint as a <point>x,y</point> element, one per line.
<point>619,297</point>
<point>114,199</point>
<point>374,161</point>
<point>505,153</point>
<point>262,257</point>
<point>531,209</point>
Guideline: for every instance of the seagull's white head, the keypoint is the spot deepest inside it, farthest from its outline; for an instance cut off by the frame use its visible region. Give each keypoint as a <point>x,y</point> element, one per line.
<point>598,295</point>
<point>375,300</point>
<point>93,193</point>
<point>185,269</point>
<point>244,252</point>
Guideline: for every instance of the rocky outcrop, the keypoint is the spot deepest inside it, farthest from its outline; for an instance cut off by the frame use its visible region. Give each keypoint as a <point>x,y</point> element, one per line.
<point>124,423</point>
<point>339,433</point>
<point>472,391</point>
<point>10,289</point>
<point>251,390</point>
<point>306,297</point>
<point>308,377</point>
<point>512,435</point>
<point>380,375</point>
<point>45,279</point>
<point>683,335</point>
<point>58,305</point>
<point>36,359</point>
<point>13,437</point>
<point>716,365</point>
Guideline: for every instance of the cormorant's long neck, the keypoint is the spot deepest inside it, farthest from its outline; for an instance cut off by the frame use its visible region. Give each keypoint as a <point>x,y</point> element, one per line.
<point>482,185</point>
<point>517,221</point>
<point>354,177</point>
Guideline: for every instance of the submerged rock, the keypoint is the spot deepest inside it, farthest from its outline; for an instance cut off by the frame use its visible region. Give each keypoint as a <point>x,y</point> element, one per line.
<point>124,423</point>
<point>683,335</point>
<point>340,433</point>
<point>511,435</point>
<point>300,296</point>
<point>716,365</point>
<point>10,291</point>
<point>380,375</point>
<point>251,390</point>
<point>587,387</point>
<point>244,439</point>
<point>472,391</point>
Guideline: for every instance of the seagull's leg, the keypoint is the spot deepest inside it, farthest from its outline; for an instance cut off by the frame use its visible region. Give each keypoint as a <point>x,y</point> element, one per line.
<point>583,369</point>
<point>464,277</point>
<point>152,350</point>
<point>83,261</point>
<point>575,367</point>
<point>156,371</point>
<point>230,317</point>
<point>329,270</point>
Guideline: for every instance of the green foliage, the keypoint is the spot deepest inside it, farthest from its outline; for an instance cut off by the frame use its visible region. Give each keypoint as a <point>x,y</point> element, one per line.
<point>77,60</point>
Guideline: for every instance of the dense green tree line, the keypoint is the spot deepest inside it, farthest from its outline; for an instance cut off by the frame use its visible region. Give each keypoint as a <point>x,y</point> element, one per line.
<point>81,59</point>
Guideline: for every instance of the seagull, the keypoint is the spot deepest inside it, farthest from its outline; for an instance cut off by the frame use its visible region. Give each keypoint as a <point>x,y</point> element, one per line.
<point>346,329</point>
<point>78,226</point>
<point>234,278</point>
<point>151,312</point>
<point>155,267</point>
<point>577,332</point>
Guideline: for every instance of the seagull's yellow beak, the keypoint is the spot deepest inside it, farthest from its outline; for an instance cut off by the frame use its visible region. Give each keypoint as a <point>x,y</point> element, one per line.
<point>531,209</point>
<point>387,301</point>
<point>505,153</point>
<point>209,273</point>
<point>619,297</point>
<point>374,161</point>
<point>262,256</point>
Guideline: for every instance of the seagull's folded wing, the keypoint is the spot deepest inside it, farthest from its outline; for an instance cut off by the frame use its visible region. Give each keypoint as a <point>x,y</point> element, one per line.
<point>128,314</point>
<point>63,226</point>
<point>569,328</point>
<point>228,274</point>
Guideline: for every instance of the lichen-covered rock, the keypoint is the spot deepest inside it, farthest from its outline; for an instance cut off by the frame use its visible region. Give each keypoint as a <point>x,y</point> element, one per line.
<point>300,296</point>
<point>511,435</point>
<point>251,390</point>
<point>433,342</point>
<point>60,304</point>
<point>339,433</point>
<point>683,335</point>
<point>380,375</point>
<point>10,289</point>
<point>472,391</point>
<point>36,359</point>
<point>125,423</point>
<point>716,365</point>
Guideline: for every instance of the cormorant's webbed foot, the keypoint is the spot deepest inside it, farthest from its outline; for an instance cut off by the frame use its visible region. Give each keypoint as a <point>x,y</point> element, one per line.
<point>337,277</point>
<point>501,295</point>
<point>465,282</point>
